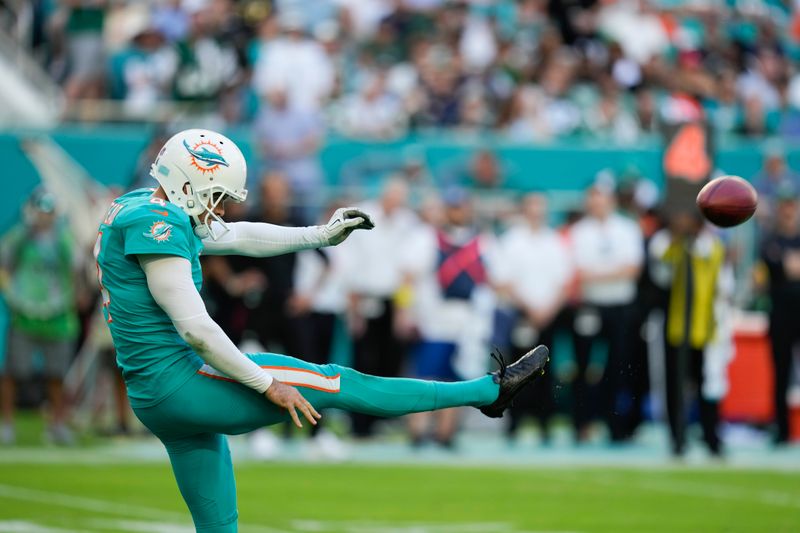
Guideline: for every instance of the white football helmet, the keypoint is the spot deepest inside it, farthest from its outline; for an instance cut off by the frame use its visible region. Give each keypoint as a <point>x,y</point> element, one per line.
<point>198,169</point>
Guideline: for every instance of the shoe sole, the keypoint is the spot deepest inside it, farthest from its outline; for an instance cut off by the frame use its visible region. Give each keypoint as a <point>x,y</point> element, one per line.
<point>543,354</point>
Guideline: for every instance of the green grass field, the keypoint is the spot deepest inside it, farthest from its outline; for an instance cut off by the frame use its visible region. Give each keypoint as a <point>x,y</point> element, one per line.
<point>403,499</point>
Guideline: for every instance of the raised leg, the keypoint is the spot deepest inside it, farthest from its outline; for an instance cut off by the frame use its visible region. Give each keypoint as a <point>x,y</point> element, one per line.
<point>210,402</point>
<point>344,388</point>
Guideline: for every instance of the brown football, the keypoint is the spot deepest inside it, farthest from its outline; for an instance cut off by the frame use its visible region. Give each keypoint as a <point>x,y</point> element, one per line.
<point>727,201</point>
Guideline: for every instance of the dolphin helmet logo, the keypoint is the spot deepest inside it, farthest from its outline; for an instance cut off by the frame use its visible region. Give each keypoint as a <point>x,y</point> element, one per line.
<point>206,156</point>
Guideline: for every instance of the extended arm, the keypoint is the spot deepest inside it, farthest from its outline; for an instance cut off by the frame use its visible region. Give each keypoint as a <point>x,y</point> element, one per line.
<point>169,279</point>
<point>258,239</point>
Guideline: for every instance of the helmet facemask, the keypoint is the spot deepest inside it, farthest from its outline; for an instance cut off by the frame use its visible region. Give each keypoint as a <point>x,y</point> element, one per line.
<point>208,199</point>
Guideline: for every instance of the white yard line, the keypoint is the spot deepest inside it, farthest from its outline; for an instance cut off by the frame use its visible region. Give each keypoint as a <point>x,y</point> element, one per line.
<point>354,526</point>
<point>108,507</point>
<point>146,519</point>
<point>86,504</point>
<point>140,525</point>
<point>23,526</point>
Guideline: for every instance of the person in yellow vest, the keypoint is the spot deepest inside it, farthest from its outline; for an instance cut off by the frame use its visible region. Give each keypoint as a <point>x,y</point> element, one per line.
<point>687,261</point>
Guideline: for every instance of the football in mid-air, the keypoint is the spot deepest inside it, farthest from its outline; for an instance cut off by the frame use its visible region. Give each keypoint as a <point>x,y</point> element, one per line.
<point>727,201</point>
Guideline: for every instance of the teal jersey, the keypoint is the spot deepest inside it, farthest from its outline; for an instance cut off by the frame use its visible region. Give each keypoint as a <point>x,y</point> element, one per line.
<point>154,359</point>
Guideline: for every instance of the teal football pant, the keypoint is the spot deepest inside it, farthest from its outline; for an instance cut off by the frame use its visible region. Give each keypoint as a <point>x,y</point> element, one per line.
<point>193,420</point>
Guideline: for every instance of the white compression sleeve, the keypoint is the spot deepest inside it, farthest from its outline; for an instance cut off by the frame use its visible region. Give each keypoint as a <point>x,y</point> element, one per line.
<point>258,239</point>
<point>169,279</point>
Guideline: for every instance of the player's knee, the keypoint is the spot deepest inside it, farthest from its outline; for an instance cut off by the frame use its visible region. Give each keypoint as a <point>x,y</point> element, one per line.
<point>331,370</point>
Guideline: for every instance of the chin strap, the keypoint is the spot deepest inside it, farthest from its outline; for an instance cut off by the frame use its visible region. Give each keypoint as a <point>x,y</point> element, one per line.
<point>205,228</point>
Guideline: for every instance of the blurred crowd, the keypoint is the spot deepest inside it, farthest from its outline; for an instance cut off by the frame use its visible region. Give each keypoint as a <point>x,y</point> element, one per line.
<point>634,301</point>
<point>531,70</point>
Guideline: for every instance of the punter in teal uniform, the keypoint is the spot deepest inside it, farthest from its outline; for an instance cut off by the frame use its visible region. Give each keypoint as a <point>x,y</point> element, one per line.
<point>186,380</point>
<point>154,360</point>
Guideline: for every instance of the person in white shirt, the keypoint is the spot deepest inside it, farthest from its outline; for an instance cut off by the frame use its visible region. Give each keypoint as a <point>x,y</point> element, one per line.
<point>371,113</point>
<point>373,277</point>
<point>533,294</point>
<point>450,304</point>
<point>297,64</point>
<point>609,251</point>
<point>289,140</point>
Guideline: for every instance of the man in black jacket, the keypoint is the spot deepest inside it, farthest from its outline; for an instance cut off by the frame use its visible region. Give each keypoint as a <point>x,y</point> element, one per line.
<point>780,251</point>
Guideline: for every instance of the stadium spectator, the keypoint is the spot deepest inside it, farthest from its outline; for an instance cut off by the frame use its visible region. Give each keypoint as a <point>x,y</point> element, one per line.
<point>361,18</point>
<point>455,64</point>
<point>646,110</point>
<point>482,170</point>
<point>437,102</point>
<point>474,113</point>
<point>608,253</point>
<point>486,173</point>
<point>170,20</point>
<point>757,82</point>
<point>477,44</point>
<point>86,55</point>
<point>526,122</point>
<point>141,75</point>
<point>774,174</point>
<point>447,297</point>
<point>780,251</point>
<point>609,120</point>
<point>384,49</point>
<point>637,27</point>
<point>756,121</point>
<point>637,198</point>
<point>206,67</point>
<point>372,114</point>
<point>295,64</point>
<point>789,126</point>
<point>373,276</point>
<point>536,292</point>
<point>38,275</point>
<point>289,139</point>
<point>562,114</point>
<point>688,259</point>
<point>724,109</point>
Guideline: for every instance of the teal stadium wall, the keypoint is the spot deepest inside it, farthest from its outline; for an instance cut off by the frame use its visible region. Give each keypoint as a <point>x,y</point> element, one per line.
<point>110,153</point>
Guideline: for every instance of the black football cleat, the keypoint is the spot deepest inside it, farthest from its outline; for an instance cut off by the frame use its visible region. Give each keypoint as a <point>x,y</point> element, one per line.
<point>513,377</point>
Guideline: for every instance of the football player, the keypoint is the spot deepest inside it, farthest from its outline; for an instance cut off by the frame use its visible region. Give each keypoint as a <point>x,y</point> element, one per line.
<point>187,382</point>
